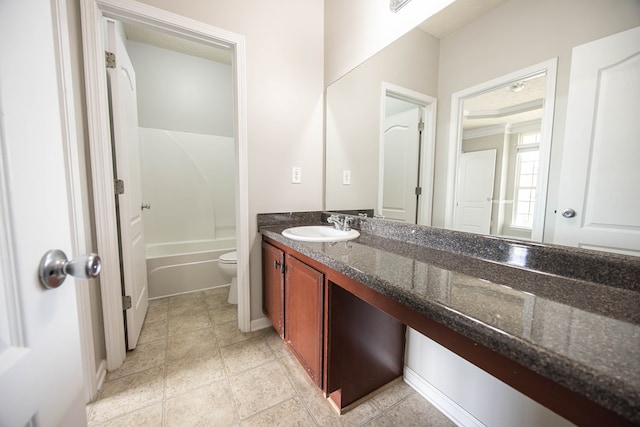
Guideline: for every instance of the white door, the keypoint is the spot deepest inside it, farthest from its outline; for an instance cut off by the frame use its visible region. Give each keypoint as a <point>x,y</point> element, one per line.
<point>400,167</point>
<point>474,191</point>
<point>124,117</point>
<point>601,158</point>
<point>40,361</point>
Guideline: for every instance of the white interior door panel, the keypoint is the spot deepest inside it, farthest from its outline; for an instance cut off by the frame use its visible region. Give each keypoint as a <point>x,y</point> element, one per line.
<point>126,139</point>
<point>600,172</point>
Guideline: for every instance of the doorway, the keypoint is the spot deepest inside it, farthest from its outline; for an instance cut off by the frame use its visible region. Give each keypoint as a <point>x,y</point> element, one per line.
<point>135,13</point>
<point>407,145</point>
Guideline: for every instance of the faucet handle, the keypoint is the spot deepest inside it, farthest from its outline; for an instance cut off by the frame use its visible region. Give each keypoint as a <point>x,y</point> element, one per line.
<point>335,220</point>
<point>347,223</point>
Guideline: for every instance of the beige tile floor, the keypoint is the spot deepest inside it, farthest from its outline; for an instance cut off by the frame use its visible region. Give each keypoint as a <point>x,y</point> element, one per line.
<point>193,367</point>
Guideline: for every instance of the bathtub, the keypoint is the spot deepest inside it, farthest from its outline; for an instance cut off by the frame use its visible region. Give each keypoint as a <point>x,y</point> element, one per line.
<point>181,267</point>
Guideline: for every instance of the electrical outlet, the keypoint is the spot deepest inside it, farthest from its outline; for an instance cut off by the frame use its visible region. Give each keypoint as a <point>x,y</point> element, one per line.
<point>346,177</point>
<point>296,175</point>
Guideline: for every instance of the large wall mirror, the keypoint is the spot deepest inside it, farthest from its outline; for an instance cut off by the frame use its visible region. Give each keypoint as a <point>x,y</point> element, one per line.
<point>500,79</point>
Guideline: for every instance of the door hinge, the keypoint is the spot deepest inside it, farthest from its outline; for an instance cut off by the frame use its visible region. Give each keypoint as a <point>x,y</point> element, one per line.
<point>421,126</point>
<point>119,187</point>
<point>110,59</point>
<point>418,191</point>
<point>126,302</point>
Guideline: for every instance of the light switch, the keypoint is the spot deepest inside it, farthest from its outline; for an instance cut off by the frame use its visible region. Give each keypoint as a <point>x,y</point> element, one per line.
<point>296,175</point>
<point>346,177</point>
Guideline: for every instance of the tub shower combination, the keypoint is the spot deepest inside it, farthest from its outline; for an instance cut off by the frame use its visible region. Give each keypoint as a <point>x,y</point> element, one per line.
<point>181,267</point>
<point>185,177</point>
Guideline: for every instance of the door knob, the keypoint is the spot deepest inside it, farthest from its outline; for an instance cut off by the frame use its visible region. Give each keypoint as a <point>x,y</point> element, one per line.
<point>144,206</point>
<point>568,213</point>
<point>54,268</point>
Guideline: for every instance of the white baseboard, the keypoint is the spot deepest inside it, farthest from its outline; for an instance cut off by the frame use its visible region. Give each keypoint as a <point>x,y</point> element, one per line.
<point>448,407</point>
<point>261,323</point>
<point>101,373</point>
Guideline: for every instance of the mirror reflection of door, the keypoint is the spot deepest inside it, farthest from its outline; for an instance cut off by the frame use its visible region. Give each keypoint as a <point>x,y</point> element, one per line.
<point>401,168</point>
<point>474,192</point>
<point>507,121</point>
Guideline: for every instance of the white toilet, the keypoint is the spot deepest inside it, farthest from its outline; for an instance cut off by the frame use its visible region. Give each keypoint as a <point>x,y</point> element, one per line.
<point>227,263</point>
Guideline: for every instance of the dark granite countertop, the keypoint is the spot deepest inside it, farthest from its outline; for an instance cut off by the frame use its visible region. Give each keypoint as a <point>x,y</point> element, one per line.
<point>570,315</point>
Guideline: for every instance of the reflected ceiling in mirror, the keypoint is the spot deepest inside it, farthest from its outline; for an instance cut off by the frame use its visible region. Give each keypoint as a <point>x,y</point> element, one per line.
<point>517,102</point>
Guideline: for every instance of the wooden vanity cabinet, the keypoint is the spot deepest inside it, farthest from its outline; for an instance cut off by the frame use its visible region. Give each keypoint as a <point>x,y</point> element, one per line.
<point>303,310</point>
<point>293,301</point>
<point>348,346</point>
<point>273,286</point>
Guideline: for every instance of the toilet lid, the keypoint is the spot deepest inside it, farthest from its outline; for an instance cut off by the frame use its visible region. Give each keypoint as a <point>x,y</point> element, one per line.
<point>229,257</point>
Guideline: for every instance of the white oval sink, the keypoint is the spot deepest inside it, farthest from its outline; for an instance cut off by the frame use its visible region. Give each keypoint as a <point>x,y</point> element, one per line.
<point>319,233</point>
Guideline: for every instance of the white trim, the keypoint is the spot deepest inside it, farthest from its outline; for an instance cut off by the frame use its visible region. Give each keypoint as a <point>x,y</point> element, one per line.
<point>457,99</point>
<point>101,158</point>
<point>528,126</point>
<point>102,177</point>
<point>427,160</point>
<point>261,323</point>
<point>75,178</point>
<point>101,373</point>
<point>242,185</point>
<point>448,407</point>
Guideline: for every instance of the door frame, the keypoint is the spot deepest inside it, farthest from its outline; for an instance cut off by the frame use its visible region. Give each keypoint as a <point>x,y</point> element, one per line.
<point>427,156</point>
<point>77,187</point>
<point>455,139</point>
<point>98,121</point>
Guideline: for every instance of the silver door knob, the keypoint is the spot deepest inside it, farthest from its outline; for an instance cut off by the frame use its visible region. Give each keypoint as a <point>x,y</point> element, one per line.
<point>54,268</point>
<point>144,206</point>
<point>568,213</point>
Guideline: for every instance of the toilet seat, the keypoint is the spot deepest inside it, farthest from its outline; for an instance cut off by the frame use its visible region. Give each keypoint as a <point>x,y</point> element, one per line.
<point>228,258</point>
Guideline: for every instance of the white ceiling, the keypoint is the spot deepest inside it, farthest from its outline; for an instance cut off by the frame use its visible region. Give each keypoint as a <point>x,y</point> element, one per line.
<point>457,15</point>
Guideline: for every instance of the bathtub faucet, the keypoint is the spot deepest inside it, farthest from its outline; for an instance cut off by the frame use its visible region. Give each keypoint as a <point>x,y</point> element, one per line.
<point>343,223</point>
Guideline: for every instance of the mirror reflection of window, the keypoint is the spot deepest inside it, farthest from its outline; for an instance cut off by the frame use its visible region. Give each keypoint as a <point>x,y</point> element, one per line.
<point>526,179</point>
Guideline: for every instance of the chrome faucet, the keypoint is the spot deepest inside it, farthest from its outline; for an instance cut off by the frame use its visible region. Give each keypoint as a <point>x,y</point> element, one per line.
<point>343,223</point>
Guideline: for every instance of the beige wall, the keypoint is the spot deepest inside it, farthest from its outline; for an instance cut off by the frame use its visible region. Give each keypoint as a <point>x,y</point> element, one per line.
<point>353,116</point>
<point>357,29</point>
<point>516,35</point>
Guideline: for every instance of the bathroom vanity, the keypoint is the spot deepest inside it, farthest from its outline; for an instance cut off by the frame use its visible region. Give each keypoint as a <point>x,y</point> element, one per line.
<point>560,325</point>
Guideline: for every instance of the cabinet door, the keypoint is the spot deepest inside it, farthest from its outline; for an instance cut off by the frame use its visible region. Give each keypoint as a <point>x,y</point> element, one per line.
<point>303,315</point>
<point>273,286</point>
